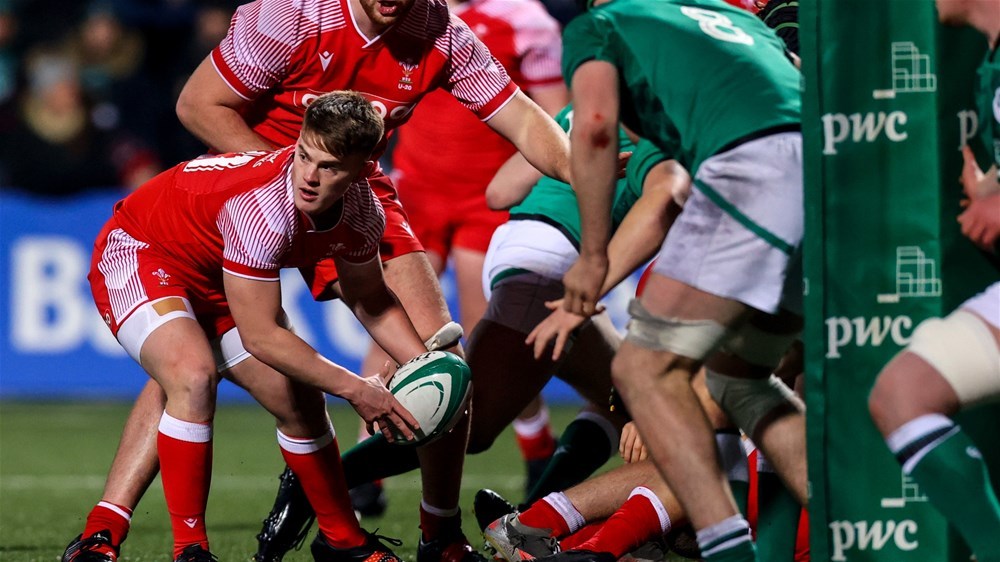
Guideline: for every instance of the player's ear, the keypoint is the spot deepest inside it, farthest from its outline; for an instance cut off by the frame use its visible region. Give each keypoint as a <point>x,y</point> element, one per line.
<point>368,169</point>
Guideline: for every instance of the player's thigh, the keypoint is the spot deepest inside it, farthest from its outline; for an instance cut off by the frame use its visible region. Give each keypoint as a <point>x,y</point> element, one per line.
<point>950,363</point>
<point>505,378</point>
<point>177,354</point>
<point>666,297</point>
<point>587,366</point>
<point>299,409</point>
<point>468,266</point>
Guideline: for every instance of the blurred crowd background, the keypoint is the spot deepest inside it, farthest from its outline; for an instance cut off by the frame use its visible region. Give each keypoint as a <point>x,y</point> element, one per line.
<point>87,88</point>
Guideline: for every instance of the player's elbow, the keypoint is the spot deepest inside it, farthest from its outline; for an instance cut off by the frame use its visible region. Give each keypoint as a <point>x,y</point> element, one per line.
<point>597,130</point>
<point>256,344</point>
<point>187,109</point>
<point>496,199</point>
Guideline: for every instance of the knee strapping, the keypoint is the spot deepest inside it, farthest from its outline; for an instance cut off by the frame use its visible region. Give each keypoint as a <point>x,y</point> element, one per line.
<point>963,350</point>
<point>758,347</point>
<point>748,401</point>
<point>694,339</point>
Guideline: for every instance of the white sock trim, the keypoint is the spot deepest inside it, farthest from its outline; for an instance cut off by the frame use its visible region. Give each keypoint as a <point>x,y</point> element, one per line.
<point>559,502</point>
<point>533,425</point>
<point>727,526</point>
<point>614,436</point>
<point>661,511</point>
<point>437,511</point>
<point>304,446</point>
<point>106,505</point>
<point>184,430</point>
<point>915,429</point>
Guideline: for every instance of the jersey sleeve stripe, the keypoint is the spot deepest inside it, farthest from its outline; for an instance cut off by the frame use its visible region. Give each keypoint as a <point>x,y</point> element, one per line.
<point>498,103</point>
<point>252,274</point>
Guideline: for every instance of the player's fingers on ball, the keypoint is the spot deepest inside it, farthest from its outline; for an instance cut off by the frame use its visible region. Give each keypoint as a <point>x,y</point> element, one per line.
<point>401,426</point>
<point>388,434</point>
<point>405,415</point>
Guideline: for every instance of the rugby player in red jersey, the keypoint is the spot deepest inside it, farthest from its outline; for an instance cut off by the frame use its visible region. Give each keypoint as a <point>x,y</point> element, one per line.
<point>251,93</point>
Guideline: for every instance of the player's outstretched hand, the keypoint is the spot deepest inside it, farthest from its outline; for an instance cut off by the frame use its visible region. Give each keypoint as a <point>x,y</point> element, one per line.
<point>630,447</point>
<point>557,327</point>
<point>981,221</point>
<point>583,284</point>
<point>376,405</point>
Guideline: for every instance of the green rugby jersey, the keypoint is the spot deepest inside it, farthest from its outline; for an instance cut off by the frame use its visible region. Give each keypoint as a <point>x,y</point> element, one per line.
<point>988,104</point>
<point>700,74</point>
<point>554,202</point>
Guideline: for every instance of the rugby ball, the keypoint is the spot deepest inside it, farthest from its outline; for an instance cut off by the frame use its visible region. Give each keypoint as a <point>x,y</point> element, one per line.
<point>434,387</point>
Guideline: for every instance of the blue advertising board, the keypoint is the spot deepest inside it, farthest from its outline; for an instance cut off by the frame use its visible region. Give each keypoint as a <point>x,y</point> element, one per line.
<point>55,345</point>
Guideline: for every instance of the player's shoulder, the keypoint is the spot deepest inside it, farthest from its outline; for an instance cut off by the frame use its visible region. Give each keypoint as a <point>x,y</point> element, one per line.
<point>237,171</point>
<point>300,14</point>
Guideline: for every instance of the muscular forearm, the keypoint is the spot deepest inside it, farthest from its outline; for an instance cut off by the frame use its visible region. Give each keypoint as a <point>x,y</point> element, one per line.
<point>638,237</point>
<point>594,151</point>
<point>391,329</point>
<point>546,147</point>
<point>512,183</point>
<point>221,128</point>
<point>535,134</point>
<point>290,355</point>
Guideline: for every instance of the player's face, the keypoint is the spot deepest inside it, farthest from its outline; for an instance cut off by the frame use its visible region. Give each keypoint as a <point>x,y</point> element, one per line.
<point>384,13</point>
<point>320,179</point>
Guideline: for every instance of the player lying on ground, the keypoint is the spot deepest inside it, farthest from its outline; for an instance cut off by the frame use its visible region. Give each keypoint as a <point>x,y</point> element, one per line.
<point>186,276</point>
<point>631,510</point>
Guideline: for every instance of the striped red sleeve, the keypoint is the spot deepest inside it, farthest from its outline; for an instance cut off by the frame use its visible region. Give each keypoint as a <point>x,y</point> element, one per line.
<point>476,79</point>
<point>254,55</point>
<point>364,214</point>
<point>254,229</point>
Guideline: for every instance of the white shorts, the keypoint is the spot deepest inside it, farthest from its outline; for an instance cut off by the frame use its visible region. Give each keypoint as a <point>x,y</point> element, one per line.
<point>228,349</point>
<point>527,245</point>
<point>986,305</point>
<point>740,233</point>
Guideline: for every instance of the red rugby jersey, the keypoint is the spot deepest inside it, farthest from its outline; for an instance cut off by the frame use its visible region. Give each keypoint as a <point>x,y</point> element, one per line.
<point>236,213</point>
<point>526,40</point>
<point>281,54</point>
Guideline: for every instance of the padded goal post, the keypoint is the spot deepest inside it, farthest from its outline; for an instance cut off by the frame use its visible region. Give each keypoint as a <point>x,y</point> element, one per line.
<point>887,103</point>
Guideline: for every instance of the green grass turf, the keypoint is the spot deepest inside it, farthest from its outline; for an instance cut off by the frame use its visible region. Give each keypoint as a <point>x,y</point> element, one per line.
<point>54,457</point>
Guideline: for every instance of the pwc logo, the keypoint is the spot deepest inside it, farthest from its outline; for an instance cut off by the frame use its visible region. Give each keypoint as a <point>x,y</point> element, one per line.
<point>394,112</point>
<point>871,536</point>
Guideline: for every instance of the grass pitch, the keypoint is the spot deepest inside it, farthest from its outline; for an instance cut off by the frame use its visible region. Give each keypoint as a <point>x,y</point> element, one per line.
<point>54,458</point>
